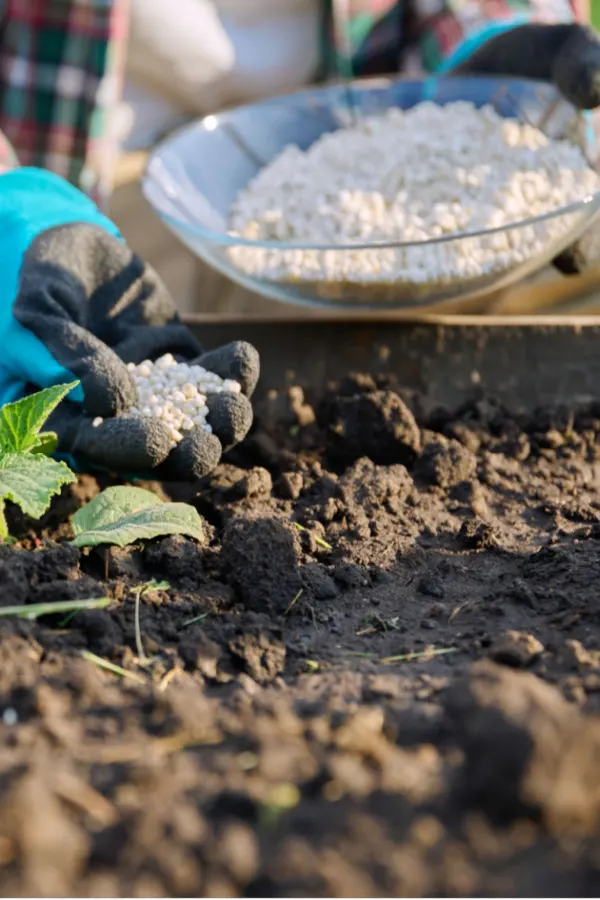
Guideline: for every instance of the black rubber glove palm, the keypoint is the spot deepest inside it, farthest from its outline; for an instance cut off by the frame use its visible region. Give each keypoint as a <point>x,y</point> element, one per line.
<point>96,306</point>
<point>567,56</point>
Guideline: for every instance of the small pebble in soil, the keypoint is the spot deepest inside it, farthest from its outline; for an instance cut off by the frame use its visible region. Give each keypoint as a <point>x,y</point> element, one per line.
<point>318,582</point>
<point>350,576</point>
<point>10,716</point>
<point>431,585</point>
<point>516,649</point>
<point>477,535</point>
<point>290,485</point>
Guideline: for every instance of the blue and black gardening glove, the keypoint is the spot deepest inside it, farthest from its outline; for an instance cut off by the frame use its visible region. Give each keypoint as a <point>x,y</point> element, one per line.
<point>567,56</point>
<point>77,304</point>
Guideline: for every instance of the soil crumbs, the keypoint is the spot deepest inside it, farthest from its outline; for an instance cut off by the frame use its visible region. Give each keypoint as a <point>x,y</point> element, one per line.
<point>378,676</point>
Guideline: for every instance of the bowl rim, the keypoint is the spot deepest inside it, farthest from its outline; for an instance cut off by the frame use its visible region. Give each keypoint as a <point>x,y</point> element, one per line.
<point>372,84</point>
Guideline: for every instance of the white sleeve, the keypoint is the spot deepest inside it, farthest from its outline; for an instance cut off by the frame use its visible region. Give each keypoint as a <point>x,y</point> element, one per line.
<point>177,48</point>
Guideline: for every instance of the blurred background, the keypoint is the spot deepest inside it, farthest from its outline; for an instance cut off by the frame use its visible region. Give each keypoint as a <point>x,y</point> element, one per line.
<point>89,87</point>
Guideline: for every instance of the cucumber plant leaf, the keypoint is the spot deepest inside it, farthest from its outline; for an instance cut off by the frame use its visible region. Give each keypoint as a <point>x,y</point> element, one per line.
<point>28,476</point>
<point>124,515</point>
<point>22,421</point>
<point>31,480</point>
<point>45,443</point>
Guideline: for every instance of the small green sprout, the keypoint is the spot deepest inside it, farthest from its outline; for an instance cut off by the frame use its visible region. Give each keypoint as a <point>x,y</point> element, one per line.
<point>139,592</point>
<point>318,540</point>
<point>36,610</point>
<point>195,619</point>
<point>111,667</point>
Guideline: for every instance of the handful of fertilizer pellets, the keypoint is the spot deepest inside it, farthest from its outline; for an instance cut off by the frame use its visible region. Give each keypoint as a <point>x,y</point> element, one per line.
<point>176,393</point>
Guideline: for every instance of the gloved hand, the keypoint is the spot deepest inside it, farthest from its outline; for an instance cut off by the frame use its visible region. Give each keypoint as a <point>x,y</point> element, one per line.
<point>567,56</point>
<point>76,303</point>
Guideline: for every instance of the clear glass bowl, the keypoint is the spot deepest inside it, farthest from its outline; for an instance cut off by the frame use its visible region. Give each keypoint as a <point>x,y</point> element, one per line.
<point>193,178</point>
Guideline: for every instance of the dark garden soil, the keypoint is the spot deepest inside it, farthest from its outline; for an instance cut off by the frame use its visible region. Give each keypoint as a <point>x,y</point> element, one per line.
<point>403,699</point>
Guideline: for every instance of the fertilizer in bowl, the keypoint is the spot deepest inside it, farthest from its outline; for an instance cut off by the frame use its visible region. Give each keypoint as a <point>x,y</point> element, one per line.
<point>409,177</point>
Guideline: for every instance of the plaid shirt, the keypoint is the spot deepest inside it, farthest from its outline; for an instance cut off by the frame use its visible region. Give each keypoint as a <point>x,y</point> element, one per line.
<point>61,63</point>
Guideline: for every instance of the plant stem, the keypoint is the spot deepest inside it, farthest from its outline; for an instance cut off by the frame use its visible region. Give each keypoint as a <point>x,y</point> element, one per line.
<point>35,610</point>
<point>111,667</point>
<point>293,602</point>
<point>318,540</point>
<point>138,633</point>
<point>420,654</point>
<point>194,620</point>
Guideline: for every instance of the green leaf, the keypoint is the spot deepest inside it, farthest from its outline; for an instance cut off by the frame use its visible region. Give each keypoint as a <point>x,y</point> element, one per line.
<point>124,515</point>
<point>3,523</point>
<point>21,422</point>
<point>111,505</point>
<point>30,480</point>
<point>148,523</point>
<point>45,443</point>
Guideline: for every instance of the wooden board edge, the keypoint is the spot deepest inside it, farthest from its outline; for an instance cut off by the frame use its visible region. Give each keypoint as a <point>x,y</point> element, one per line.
<point>474,321</point>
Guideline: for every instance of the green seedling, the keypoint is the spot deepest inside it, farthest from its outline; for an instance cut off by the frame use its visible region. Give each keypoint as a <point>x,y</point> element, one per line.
<point>36,610</point>
<point>293,602</point>
<point>281,799</point>
<point>420,654</point>
<point>312,665</point>
<point>429,653</point>
<point>138,593</point>
<point>193,621</point>
<point>318,540</point>
<point>111,667</point>
<point>28,476</point>
<point>374,624</point>
<point>124,515</point>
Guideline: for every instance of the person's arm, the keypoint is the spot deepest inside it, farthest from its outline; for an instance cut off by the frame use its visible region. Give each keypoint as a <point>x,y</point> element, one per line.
<point>60,117</point>
<point>210,54</point>
<point>178,56</point>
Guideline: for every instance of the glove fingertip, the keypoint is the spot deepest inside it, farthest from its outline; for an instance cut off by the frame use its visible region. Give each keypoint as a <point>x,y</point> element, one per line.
<point>576,70</point>
<point>238,360</point>
<point>230,417</point>
<point>124,444</point>
<point>108,387</point>
<point>194,457</point>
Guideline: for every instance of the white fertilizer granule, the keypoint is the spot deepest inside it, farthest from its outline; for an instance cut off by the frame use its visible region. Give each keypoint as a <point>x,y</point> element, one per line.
<point>175,393</point>
<point>410,176</point>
